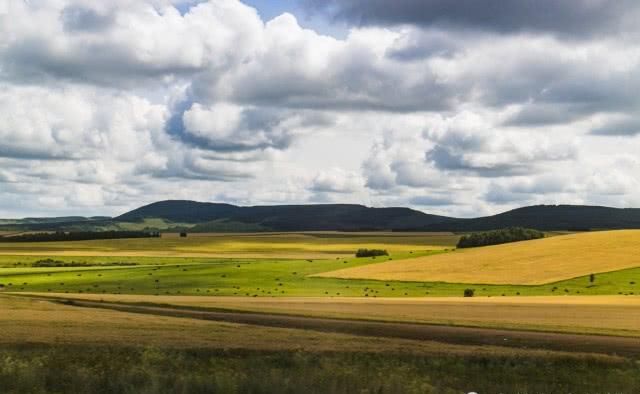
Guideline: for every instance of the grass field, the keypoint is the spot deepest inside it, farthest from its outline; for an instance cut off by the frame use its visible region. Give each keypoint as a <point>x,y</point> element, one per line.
<point>533,262</point>
<point>258,245</point>
<point>271,278</point>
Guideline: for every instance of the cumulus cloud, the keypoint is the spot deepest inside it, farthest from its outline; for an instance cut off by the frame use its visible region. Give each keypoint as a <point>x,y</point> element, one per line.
<point>75,123</point>
<point>606,181</point>
<point>626,126</point>
<point>457,109</point>
<point>336,180</point>
<point>123,41</point>
<point>467,142</point>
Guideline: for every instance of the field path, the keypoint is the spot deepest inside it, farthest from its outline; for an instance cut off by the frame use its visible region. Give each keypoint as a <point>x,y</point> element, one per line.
<point>447,334</point>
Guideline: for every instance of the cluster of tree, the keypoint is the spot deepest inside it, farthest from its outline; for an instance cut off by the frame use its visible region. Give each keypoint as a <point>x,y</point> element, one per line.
<point>371,252</point>
<point>78,236</point>
<point>511,234</point>
<point>59,263</point>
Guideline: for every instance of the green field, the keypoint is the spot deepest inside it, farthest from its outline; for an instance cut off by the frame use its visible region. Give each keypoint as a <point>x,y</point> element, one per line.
<point>269,277</point>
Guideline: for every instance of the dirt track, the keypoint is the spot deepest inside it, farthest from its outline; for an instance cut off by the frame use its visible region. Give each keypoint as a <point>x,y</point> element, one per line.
<point>447,334</point>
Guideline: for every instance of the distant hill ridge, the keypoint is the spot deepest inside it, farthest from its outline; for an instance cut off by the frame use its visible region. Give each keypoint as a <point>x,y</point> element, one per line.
<point>210,217</point>
<point>345,217</point>
<point>551,217</point>
<point>351,217</point>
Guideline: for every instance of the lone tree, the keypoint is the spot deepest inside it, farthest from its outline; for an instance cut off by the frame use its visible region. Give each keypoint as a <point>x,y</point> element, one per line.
<point>469,292</point>
<point>592,278</point>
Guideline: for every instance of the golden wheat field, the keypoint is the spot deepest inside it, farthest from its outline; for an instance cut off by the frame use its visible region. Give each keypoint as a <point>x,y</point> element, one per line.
<point>614,315</point>
<point>527,263</point>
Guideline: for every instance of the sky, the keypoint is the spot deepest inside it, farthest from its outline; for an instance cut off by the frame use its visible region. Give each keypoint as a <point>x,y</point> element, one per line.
<point>461,108</point>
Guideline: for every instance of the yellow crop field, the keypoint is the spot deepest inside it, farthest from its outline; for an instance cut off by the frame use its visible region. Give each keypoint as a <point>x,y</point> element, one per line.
<point>256,245</point>
<point>527,263</point>
<point>614,315</point>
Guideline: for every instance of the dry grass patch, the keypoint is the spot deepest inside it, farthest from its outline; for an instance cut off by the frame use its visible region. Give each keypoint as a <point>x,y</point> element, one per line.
<point>527,263</point>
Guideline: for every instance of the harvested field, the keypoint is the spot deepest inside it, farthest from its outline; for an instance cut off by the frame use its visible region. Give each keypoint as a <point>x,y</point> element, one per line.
<point>527,263</point>
<point>34,321</point>
<point>412,331</point>
<point>29,321</point>
<point>614,315</point>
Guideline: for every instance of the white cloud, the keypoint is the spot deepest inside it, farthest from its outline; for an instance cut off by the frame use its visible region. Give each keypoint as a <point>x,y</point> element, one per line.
<point>336,180</point>
<point>113,104</point>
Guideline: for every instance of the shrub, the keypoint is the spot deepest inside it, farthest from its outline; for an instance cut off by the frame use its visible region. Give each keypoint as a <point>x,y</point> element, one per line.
<point>469,292</point>
<point>371,252</point>
<point>496,237</point>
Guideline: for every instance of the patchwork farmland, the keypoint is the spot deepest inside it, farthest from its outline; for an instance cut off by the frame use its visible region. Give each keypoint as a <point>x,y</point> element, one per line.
<point>275,294</point>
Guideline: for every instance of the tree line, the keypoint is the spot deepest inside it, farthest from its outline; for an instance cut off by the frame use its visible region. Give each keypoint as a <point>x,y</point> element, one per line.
<point>78,236</point>
<point>496,237</point>
<point>47,263</point>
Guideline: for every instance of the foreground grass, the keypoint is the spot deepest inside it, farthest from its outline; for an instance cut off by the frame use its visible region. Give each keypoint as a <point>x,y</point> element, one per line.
<point>58,368</point>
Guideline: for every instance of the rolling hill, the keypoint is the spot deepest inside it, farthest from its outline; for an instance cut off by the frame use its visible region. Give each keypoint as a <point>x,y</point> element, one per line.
<point>327,217</point>
<point>348,217</point>
<point>195,216</point>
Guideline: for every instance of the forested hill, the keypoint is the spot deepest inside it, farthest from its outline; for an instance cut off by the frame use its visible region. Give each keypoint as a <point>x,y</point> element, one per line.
<point>550,217</point>
<point>348,217</point>
<point>345,217</point>
<point>213,217</point>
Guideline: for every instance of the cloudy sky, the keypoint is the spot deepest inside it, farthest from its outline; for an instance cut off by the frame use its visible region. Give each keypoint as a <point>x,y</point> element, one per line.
<point>460,107</point>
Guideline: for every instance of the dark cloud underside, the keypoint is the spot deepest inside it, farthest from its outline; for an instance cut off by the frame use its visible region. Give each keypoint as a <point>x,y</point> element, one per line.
<point>574,18</point>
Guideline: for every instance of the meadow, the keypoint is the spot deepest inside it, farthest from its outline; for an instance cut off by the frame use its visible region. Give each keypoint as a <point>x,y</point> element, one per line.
<point>274,278</point>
